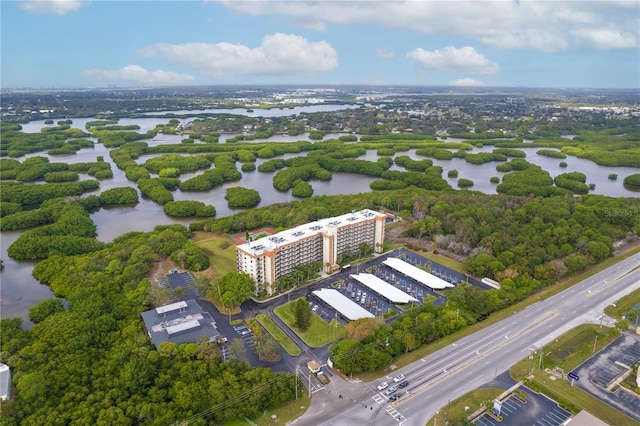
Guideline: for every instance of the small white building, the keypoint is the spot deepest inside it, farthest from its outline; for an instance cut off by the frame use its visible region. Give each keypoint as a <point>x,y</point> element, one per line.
<point>5,382</point>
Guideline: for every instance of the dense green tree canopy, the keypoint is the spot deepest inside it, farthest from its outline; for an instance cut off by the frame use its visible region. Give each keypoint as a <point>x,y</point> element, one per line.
<point>188,208</point>
<point>232,288</point>
<point>238,196</point>
<point>94,363</point>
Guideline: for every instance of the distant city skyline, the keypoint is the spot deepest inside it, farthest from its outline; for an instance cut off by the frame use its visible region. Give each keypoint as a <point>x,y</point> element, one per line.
<point>520,43</point>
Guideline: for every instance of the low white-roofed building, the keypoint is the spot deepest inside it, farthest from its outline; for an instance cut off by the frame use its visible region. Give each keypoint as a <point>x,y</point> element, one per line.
<point>417,274</point>
<point>5,382</point>
<point>383,288</point>
<point>179,322</point>
<point>345,306</point>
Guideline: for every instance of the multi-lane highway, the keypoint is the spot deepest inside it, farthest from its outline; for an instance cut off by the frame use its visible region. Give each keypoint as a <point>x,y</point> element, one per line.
<point>473,360</point>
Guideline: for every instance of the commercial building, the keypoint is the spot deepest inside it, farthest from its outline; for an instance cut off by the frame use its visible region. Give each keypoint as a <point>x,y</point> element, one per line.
<point>180,322</point>
<point>272,257</point>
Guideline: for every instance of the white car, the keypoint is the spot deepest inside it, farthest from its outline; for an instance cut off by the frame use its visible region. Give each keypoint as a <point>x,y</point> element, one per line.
<point>398,378</point>
<point>391,390</point>
<point>383,386</point>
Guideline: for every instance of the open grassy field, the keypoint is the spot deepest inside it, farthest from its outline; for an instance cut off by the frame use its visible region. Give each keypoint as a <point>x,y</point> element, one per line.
<point>567,352</point>
<point>455,411</point>
<point>221,252</point>
<point>277,333</point>
<point>319,333</point>
<point>626,307</point>
<point>570,350</point>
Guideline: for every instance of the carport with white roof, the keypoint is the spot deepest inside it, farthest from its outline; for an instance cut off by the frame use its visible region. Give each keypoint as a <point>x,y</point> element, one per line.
<point>345,306</point>
<point>417,274</point>
<point>384,289</point>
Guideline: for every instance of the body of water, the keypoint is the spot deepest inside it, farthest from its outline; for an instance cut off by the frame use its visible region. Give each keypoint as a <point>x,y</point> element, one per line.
<point>19,291</point>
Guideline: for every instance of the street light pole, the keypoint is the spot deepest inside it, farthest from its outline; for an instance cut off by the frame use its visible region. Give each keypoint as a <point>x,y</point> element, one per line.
<point>540,362</point>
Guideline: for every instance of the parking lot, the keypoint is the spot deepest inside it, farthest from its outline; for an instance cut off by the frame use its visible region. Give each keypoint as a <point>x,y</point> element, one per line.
<point>598,375</point>
<point>377,304</point>
<point>538,410</point>
<point>245,334</point>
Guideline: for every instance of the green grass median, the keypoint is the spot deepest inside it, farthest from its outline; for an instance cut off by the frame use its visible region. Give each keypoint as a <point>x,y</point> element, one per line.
<point>277,333</point>
<point>319,332</point>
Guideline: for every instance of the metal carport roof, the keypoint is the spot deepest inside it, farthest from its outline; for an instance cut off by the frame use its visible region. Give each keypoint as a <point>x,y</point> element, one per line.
<point>344,305</point>
<point>416,273</point>
<point>384,289</point>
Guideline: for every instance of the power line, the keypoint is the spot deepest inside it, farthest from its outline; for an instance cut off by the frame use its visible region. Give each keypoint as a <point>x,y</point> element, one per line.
<point>230,402</point>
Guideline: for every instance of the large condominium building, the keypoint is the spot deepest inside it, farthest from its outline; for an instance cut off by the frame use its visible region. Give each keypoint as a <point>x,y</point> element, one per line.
<point>272,257</point>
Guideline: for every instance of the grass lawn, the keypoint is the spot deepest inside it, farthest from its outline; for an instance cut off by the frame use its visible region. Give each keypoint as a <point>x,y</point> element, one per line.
<point>221,252</point>
<point>277,333</point>
<point>319,333</point>
<point>221,308</point>
<point>455,410</point>
<point>571,350</point>
<point>283,414</point>
<point>442,260</point>
<point>625,306</point>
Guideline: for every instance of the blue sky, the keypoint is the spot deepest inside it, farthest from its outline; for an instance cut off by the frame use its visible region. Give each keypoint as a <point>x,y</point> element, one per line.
<point>525,43</point>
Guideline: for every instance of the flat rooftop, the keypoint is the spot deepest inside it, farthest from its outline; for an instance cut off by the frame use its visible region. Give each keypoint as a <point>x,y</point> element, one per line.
<point>179,322</point>
<point>258,246</point>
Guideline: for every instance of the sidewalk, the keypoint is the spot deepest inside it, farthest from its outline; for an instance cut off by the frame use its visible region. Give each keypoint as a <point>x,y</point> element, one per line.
<point>338,396</point>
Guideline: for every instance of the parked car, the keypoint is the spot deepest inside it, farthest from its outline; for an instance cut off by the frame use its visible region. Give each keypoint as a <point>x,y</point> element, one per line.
<point>403,384</point>
<point>398,378</point>
<point>383,386</point>
<point>315,308</point>
<point>391,390</point>
<point>367,305</point>
<point>394,397</point>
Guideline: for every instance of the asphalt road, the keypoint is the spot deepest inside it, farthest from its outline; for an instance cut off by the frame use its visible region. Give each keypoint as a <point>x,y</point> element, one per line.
<point>473,360</point>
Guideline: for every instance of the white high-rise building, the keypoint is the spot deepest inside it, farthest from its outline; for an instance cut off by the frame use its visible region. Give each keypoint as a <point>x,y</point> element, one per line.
<point>272,257</point>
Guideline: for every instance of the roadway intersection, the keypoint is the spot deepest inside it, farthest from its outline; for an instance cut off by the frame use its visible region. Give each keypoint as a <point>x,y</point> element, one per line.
<point>476,359</point>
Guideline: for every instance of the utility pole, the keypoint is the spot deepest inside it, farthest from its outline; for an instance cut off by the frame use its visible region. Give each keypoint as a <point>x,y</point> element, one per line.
<point>296,382</point>
<point>594,344</point>
<point>540,362</point>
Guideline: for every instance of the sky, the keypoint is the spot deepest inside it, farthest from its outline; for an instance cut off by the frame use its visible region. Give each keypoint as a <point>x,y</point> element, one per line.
<point>505,43</point>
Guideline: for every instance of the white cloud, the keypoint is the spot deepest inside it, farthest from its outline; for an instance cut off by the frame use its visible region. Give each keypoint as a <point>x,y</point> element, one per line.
<point>548,26</point>
<point>279,54</point>
<point>51,7</point>
<point>607,39</point>
<point>139,75</point>
<point>464,60</point>
<point>385,54</point>
<point>467,82</point>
